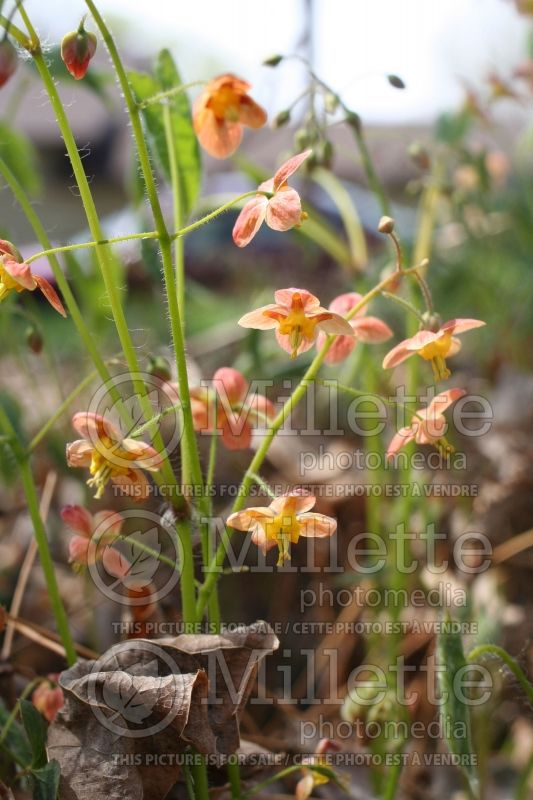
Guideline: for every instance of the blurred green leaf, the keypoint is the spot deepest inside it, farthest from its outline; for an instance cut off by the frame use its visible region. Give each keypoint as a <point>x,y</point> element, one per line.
<point>452,128</point>
<point>20,156</point>
<point>8,461</point>
<point>15,738</point>
<point>46,781</point>
<point>455,714</point>
<point>186,149</point>
<point>36,729</point>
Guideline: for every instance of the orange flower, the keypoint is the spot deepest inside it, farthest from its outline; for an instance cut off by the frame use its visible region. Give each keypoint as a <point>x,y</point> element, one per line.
<point>282,523</point>
<point>48,697</point>
<point>94,536</point>
<point>434,346</point>
<point>281,212</point>
<point>298,318</point>
<point>109,457</point>
<point>230,408</point>
<point>365,329</point>
<point>17,276</point>
<point>220,112</point>
<point>428,425</point>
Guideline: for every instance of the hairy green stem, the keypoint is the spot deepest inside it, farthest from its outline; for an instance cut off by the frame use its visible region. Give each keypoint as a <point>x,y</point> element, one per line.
<point>493,650</point>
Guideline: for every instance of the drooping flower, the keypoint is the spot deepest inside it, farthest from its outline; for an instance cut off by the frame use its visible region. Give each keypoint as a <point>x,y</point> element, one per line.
<point>366,329</point>
<point>281,212</point>
<point>77,49</point>
<point>110,457</point>
<point>16,276</point>
<point>228,406</point>
<point>298,318</point>
<point>282,523</point>
<point>8,61</point>
<point>428,425</point>
<point>220,112</point>
<point>48,697</point>
<point>311,778</point>
<point>93,539</point>
<point>434,346</point>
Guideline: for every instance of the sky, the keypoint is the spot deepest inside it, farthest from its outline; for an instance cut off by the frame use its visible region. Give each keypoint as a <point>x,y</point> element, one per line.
<point>431,44</point>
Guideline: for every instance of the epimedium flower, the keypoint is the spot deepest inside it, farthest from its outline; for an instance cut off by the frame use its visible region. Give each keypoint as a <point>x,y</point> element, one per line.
<point>93,539</point>
<point>366,329</point>
<point>110,457</point>
<point>428,425</point>
<point>77,49</point>
<point>311,778</point>
<point>281,211</point>
<point>220,112</point>
<point>298,318</point>
<point>48,697</point>
<point>230,407</point>
<point>16,276</point>
<point>434,346</point>
<point>282,523</point>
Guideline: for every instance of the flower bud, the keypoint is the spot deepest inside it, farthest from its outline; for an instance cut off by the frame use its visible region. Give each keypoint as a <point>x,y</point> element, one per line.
<point>8,61</point>
<point>354,121</point>
<point>386,225</point>
<point>301,140</point>
<point>396,81</point>
<point>432,322</point>
<point>281,119</point>
<point>323,153</point>
<point>34,340</point>
<point>77,49</point>
<point>419,155</point>
<point>159,367</point>
<point>331,102</point>
<point>273,61</point>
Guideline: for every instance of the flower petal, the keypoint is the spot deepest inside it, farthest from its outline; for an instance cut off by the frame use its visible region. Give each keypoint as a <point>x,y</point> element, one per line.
<point>78,549</point>
<point>230,385</point>
<point>285,297</point>
<point>218,136</point>
<point>295,503</point>
<point>336,325</point>
<point>20,272</point>
<point>107,525</point>
<point>144,455</point>
<point>344,303</point>
<point>236,435</point>
<point>371,330</point>
<point>442,401</point>
<point>247,519</point>
<point>115,563</point>
<point>50,293</point>
<point>284,341</point>
<point>284,210</point>
<point>396,355</point>
<point>289,168</point>
<point>462,325</point>
<point>79,453</point>
<point>251,113</point>
<point>78,519</point>
<point>401,438</point>
<point>260,539</point>
<point>249,220</point>
<point>257,319</point>
<point>340,349</point>
<point>317,525</point>
<point>94,427</point>
<point>135,484</point>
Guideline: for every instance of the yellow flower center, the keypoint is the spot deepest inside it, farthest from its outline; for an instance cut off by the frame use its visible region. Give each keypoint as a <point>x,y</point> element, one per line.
<point>7,284</point>
<point>284,529</point>
<point>436,352</point>
<point>298,327</point>
<point>106,464</point>
<point>225,105</point>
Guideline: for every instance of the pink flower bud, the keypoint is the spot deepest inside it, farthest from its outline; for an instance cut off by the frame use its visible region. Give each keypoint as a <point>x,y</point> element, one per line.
<point>77,49</point>
<point>48,699</point>
<point>229,381</point>
<point>8,61</point>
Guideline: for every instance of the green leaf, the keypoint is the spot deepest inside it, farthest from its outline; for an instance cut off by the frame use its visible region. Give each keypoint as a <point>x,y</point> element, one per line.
<point>348,213</point>
<point>20,156</point>
<point>185,145</point>
<point>46,781</point>
<point>36,730</point>
<point>15,739</point>
<point>455,714</point>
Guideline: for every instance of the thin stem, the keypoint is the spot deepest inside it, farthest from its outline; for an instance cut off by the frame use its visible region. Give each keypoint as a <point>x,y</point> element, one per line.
<point>157,98</point>
<point>68,248</point>
<point>39,436</point>
<point>32,501</point>
<point>273,778</point>
<point>263,485</point>
<point>214,568</point>
<point>148,550</point>
<point>179,256</point>
<point>16,33</point>
<point>234,775</point>
<point>406,304</point>
<point>218,211</point>
<point>28,689</point>
<point>493,650</point>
